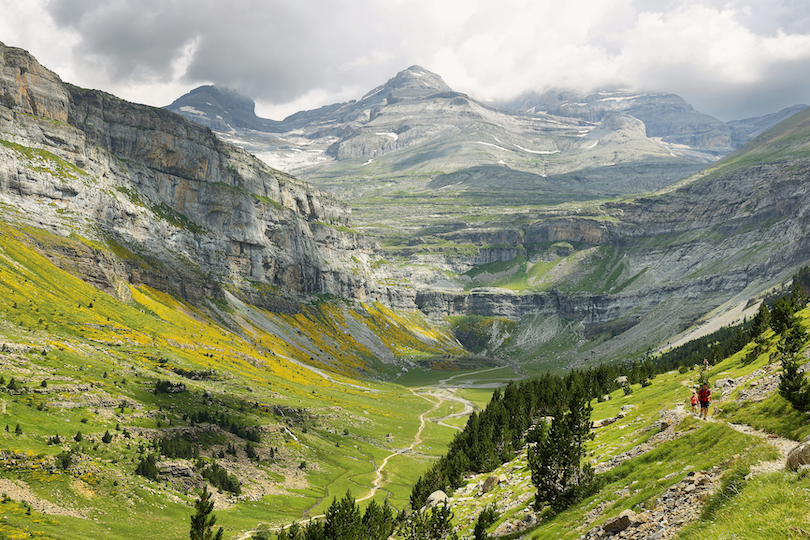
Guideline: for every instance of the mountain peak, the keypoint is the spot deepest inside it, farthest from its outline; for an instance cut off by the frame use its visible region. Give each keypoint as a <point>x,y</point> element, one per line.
<point>220,108</point>
<point>412,83</point>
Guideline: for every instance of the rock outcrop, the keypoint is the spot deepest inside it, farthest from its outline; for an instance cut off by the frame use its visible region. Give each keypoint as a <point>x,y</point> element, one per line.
<point>191,211</point>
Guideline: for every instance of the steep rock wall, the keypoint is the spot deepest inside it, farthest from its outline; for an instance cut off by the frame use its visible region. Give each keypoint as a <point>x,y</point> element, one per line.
<point>191,210</point>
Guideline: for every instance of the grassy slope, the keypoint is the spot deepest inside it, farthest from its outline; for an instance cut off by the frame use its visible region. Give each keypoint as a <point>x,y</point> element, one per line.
<point>98,357</point>
<point>81,354</point>
<point>638,482</point>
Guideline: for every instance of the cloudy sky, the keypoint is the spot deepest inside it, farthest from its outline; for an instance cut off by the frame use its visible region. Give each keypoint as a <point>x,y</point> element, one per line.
<point>729,58</point>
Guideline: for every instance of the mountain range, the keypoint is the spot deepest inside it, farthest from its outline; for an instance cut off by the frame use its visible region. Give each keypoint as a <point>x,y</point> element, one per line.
<point>178,314</point>
<point>203,219</point>
<point>463,195</point>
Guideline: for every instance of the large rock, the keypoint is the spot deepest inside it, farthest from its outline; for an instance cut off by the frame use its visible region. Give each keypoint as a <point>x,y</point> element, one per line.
<point>437,497</point>
<point>799,456</point>
<point>490,483</point>
<point>620,522</point>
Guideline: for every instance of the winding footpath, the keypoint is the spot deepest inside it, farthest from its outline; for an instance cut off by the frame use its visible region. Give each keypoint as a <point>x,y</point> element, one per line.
<point>437,396</point>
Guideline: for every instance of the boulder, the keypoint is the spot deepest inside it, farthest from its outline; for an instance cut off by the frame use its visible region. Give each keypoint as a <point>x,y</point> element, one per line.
<point>435,498</point>
<point>799,456</point>
<point>620,522</point>
<point>603,422</point>
<point>490,483</point>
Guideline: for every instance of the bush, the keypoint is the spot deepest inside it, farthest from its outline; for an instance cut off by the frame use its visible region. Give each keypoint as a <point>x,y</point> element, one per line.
<point>64,460</point>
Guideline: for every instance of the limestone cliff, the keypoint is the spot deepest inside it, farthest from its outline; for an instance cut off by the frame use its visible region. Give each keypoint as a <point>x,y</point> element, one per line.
<point>190,212</point>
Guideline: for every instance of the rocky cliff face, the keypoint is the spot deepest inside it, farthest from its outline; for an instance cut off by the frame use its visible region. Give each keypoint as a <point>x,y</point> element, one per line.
<point>191,211</point>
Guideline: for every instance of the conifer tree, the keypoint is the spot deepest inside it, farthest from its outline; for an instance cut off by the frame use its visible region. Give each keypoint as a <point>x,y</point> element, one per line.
<point>761,321</point>
<point>556,462</point>
<point>782,315</point>
<point>378,521</point>
<point>202,523</point>
<point>343,520</point>
<point>792,384</point>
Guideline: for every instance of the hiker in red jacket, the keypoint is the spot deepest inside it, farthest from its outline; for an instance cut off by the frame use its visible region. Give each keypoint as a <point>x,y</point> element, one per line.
<point>693,400</point>
<point>705,397</point>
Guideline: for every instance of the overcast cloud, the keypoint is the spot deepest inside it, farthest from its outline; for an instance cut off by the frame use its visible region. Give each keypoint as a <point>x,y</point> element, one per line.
<point>729,58</point>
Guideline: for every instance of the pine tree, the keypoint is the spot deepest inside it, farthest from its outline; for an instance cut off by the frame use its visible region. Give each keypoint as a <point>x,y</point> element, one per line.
<point>792,385</point>
<point>343,519</point>
<point>761,321</point>
<point>202,523</point>
<point>798,297</point>
<point>556,463</point>
<point>782,315</point>
<point>433,524</point>
<point>378,521</point>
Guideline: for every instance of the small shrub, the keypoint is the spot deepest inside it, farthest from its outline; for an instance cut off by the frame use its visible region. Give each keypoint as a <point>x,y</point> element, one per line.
<point>487,517</point>
<point>64,460</point>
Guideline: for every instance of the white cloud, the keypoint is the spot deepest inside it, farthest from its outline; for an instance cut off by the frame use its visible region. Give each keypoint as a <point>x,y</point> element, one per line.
<point>727,56</point>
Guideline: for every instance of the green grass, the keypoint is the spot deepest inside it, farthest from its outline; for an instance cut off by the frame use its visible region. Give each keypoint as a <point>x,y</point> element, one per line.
<point>774,415</point>
<point>767,506</point>
<point>99,351</point>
